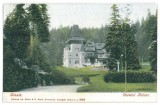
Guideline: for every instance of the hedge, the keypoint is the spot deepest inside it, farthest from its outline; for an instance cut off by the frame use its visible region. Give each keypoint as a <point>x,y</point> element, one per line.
<point>132,76</point>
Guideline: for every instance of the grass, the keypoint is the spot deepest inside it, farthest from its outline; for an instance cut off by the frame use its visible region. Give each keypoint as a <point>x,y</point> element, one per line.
<point>76,72</point>
<point>145,66</point>
<point>99,85</point>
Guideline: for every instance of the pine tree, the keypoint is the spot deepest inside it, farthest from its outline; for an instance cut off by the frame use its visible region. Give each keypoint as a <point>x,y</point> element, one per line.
<point>39,20</point>
<point>132,50</point>
<point>26,26</point>
<point>120,41</point>
<point>16,30</point>
<point>113,38</point>
<point>153,45</point>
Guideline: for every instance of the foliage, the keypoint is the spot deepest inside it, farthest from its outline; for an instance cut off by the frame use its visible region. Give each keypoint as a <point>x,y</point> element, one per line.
<point>24,30</point>
<point>85,79</point>
<point>144,36</point>
<point>94,34</point>
<point>120,42</point>
<point>16,31</point>
<point>129,48</point>
<point>132,77</point>
<point>61,78</point>
<point>113,44</point>
<point>38,58</point>
<point>153,46</point>
<point>56,77</point>
<point>54,49</point>
<point>39,21</point>
<point>16,78</point>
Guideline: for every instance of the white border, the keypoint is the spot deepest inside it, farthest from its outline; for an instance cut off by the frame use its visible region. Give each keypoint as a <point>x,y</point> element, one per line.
<point>99,97</point>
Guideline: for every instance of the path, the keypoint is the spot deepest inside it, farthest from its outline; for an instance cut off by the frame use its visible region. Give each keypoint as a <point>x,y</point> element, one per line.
<point>56,88</point>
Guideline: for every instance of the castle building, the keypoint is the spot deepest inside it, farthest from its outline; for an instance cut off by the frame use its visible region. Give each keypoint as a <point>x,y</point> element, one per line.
<point>79,52</point>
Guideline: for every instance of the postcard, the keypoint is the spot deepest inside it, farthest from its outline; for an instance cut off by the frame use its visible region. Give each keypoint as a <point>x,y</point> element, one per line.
<point>80,52</point>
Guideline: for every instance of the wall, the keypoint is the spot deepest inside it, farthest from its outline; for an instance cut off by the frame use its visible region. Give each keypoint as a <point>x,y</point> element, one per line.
<point>72,56</point>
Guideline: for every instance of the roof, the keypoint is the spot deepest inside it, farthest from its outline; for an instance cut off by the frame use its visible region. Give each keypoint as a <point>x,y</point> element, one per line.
<point>75,39</point>
<point>100,51</point>
<point>75,35</point>
<point>75,32</point>
<point>99,45</point>
<point>90,46</point>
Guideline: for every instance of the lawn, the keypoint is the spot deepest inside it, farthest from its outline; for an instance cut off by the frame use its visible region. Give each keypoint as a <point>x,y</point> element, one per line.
<point>97,84</point>
<point>76,72</point>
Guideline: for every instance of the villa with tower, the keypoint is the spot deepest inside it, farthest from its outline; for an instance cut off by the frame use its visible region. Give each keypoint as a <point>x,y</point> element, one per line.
<point>79,52</point>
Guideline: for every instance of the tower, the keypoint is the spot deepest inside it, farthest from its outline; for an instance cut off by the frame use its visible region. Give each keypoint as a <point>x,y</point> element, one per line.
<point>71,56</point>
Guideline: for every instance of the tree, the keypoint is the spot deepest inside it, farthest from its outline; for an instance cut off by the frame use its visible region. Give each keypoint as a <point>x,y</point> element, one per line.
<point>16,30</point>
<point>143,35</point>
<point>129,43</point>
<point>54,48</point>
<point>129,48</point>
<point>153,45</point>
<point>18,34</point>
<point>120,41</point>
<point>113,44</point>
<point>39,20</point>
<point>39,59</point>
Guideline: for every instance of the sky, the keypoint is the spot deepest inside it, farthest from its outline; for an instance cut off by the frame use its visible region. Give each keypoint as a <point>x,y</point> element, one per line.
<point>88,15</point>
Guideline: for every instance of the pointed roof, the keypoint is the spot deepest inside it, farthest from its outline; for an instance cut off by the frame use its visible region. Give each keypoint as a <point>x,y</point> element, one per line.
<point>75,35</point>
<point>75,31</point>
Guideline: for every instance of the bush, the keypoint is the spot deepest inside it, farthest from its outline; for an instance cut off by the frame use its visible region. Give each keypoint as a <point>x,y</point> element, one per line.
<point>16,78</point>
<point>58,77</point>
<point>132,76</point>
<point>86,79</point>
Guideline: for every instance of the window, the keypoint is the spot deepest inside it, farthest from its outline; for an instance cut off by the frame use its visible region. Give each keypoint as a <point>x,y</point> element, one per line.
<point>76,54</point>
<point>100,55</point>
<point>76,62</point>
<point>69,61</point>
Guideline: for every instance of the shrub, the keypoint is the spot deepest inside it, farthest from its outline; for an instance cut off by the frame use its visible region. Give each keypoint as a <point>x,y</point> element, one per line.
<point>132,76</point>
<point>16,78</point>
<point>86,79</point>
<point>58,77</point>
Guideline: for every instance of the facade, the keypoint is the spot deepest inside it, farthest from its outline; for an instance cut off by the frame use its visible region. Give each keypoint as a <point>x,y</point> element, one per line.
<point>79,52</point>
